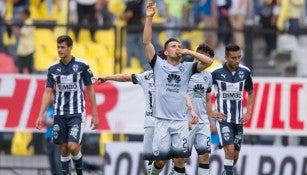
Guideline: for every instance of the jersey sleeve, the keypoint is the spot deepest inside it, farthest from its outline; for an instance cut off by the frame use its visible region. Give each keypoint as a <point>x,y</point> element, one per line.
<point>134,79</point>
<point>87,75</point>
<point>153,61</point>
<point>49,81</point>
<point>209,89</point>
<point>249,83</point>
<point>194,68</point>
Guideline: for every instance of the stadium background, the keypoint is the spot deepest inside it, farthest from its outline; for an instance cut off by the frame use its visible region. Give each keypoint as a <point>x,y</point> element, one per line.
<point>21,147</point>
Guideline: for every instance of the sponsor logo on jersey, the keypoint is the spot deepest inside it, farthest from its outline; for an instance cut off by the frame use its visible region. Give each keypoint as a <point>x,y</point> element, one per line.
<point>171,86</point>
<point>67,87</point>
<point>232,95</point>
<point>173,77</point>
<point>199,88</point>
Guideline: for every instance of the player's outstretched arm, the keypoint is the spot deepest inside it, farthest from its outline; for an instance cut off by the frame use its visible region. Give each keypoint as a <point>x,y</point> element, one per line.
<point>115,77</point>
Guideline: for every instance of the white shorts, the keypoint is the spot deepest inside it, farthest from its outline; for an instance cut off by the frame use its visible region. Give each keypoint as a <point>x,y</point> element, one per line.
<point>147,143</point>
<point>170,139</point>
<point>200,138</point>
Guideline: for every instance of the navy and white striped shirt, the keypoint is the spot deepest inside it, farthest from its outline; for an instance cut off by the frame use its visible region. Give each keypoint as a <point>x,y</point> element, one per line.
<point>69,81</point>
<point>229,88</point>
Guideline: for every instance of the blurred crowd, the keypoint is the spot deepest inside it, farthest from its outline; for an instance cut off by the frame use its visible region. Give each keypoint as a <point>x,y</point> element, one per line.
<point>224,21</point>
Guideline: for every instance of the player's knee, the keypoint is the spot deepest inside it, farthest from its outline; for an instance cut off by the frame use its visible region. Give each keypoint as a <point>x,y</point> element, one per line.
<point>73,147</point>
<point>203,158</point>
<point>160,163</point>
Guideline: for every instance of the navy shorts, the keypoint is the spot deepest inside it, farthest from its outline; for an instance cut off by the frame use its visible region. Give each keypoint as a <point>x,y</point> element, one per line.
<point>67,129</point>
<point>230,133</point>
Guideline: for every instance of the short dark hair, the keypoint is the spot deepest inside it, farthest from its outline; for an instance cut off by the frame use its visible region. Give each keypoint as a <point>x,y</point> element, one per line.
<point>205,49</point>
<point>170,40</point>
<point>161,54</point>
<point>26,12</point>
<point>232,47</point>
<point>65,38</point>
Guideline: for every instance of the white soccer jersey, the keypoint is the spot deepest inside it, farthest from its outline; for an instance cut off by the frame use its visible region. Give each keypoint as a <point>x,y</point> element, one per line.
<point>171,84</point>
<point>146,80</point>
<point>199,85</point>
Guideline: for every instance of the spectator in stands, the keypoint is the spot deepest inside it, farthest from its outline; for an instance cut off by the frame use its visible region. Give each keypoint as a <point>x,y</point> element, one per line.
<point>133,16</point>
<point>2,22</point>
<point>268,13</point>
<point>160,7</point>
<point>53,150</point>
<point>18,7</point>
<point>295,13</point>
<point>25,45</point>
<point>290,13</point>
<point>237,14</point>
<point>224,35</point>
<point>205,11</point>
<point>104,16</point>
<point>86,11</point>
<point>176,15</point>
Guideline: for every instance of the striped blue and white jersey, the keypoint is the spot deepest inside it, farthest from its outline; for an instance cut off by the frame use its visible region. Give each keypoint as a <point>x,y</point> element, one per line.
<point>199,85</point>
<point>146,81</point>
<point>229,88</point>
<point>69,81</point>
<point>171,84</point>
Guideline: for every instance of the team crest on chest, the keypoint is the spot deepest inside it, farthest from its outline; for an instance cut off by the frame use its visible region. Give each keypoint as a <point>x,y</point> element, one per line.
<point>181,68</point>
<point>75,67</point>
<point>241,74</point>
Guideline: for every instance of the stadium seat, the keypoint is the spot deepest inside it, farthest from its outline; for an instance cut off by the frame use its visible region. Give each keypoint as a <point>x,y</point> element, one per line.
<point>50,48</point>
<point>107,38</point>
<point>97,51</point>
<point>42,61</point>
<point>42,35</point>
<point>84,36</point>
<point>116,7</point>
<point>79,50</point>
<point>105,66</point>
<point>105,137</point>
<point>93,63</point>
<point>196,37</point>
<point>20,144</point>
<point>214,64</point>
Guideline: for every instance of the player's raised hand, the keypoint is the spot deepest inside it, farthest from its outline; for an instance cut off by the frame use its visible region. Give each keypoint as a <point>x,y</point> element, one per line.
<point>151,9</point>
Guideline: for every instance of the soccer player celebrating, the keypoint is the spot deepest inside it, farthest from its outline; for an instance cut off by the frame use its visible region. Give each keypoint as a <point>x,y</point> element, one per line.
<point>171,134</point>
